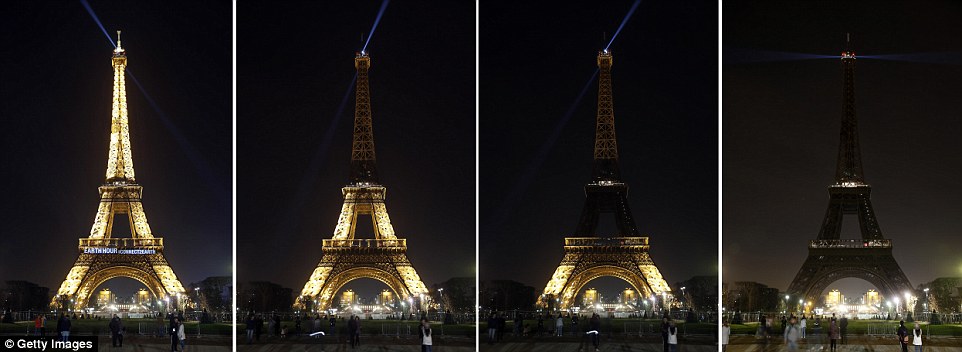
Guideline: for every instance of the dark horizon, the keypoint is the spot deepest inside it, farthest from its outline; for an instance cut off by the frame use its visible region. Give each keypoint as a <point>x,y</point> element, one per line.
<point>782,107</point>
<point>56,97</point>
<point>534,61</point>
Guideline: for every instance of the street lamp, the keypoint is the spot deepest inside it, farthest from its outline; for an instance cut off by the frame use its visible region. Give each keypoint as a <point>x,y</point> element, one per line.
<point>683,296</point>
<point>926,290</point>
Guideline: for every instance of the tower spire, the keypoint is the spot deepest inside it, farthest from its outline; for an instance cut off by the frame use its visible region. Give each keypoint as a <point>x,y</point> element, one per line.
<point>363,161</point>
<point>606,145</point>
<point>848,171</point>
<point>120,163</point>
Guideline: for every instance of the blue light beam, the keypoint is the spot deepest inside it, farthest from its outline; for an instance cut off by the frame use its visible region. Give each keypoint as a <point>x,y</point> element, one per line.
<point>524,182</point>
<point>90,10</point>
<point>628,16</point>
<point>749,56</point>
<point>376,21</point>
<point>945,57</point>
<point>306,186</point>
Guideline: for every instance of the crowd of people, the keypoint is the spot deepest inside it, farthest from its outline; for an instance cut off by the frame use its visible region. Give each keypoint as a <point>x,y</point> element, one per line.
<point>794,329</point>
<point>587,329</point>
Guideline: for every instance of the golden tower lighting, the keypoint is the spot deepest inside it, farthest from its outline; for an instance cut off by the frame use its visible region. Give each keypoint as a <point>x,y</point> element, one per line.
<point>345,258</point>
<point>103,257</point>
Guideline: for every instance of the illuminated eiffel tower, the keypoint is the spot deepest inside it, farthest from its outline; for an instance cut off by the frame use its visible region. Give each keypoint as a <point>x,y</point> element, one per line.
<point>587,256</point>
<point>831,257</point>
<point>345,258</point>
<point>103,257</point>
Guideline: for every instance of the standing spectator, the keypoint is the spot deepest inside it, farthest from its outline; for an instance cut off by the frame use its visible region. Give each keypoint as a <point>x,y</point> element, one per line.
<point>270,326</point>
<point>173,329</point>
<point>518,325</point>
<point>784,323</point>
<point>559,325</point>
<point>317,323</point>
<point>672,337</point>
<point>160,326</point>
<point>726,332</point>
<point>903,335</point>
<point>181,335</point>
<point>357,330</point>
<point>833,335</point>
<point>424,332</point>
<point>574,324</point>
<point>917,338</point>
<point>501,325</point>
<point>351,327</point>
<point>492,328</point>
<point>792,334</point>
<point>333,321</point>
<point>594,325</point>
<point>250,329</point>
<point>258,327</point>
<point>38,325</point>
<point>664,333</point>
<point>63,328</point>
<point>115,336</point>
<point>802,325</point>
<point>277,324</point>
<point>540,324</point>
<point>843,329</point>
<point>297,324</point>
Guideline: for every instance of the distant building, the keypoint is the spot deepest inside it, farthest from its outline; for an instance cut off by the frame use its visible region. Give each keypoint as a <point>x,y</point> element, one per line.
<point>105,298</point>
<point>871,298</point>
<point>590,297</point>
<point>348,298</point>
<point>834,298</point>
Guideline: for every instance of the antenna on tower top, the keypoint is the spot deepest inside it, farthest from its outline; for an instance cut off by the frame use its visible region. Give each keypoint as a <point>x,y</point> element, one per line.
<point>119,48</point>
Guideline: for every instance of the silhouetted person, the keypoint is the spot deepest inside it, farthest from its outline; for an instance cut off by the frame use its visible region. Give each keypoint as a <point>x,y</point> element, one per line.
<point>594,324</point>
<point>116,339</point>
<point>172,329</point>
<point>63,328</point>
<point>664,333</point>
<point>843,329</point>
<point>250,329</point>
<point>903,335</point>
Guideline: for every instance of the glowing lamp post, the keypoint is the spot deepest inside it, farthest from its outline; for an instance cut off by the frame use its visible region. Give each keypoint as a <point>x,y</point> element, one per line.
<point>926,304</point>
<point>683,296</point>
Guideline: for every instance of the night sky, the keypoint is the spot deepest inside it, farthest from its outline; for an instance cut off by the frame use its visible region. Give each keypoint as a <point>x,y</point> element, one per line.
<point>535,60</point>
<point>55,98</point>
<point>295,62</point>
<point>781,132</point>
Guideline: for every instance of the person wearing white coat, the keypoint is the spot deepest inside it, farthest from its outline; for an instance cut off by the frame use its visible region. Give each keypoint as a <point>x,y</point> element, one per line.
<point>917,338</point>
<point>181,336</point>
<point>801,325</point>
<point>725,333</point>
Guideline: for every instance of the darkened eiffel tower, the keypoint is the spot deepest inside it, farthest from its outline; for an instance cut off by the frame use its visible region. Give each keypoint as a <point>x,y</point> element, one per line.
<point>830,257</point>
<point>588,256</point>
<point>345,258</point>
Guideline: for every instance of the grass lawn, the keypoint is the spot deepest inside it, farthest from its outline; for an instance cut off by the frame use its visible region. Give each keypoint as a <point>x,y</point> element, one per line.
<point>861,327</point>
<point>99,327</point>
<point>617,326</point>
<point>374,327</point>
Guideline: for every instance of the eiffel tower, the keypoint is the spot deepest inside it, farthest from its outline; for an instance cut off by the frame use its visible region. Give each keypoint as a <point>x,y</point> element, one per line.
<point>345,258</point>
<point>830,257</point>
<point>587,256</point>
<point>103,257</point>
